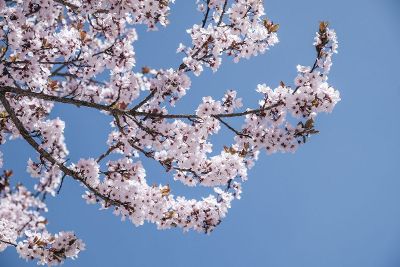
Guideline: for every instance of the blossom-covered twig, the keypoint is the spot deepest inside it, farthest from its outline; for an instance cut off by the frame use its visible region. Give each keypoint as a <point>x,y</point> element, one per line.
<point>55,52</point>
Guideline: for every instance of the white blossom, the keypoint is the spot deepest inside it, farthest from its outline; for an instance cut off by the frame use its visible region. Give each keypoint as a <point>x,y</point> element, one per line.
<point>81,53</point>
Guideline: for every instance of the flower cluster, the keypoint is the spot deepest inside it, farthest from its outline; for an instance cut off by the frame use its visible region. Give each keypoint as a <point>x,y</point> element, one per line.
<point>168,85</point>
<point>149,12</point>
<point>230,102</point>
<point>89,169</point>
<point>48,249</point>
<point>20,219</point>
<point>242,33</point>
<point>8,233</point>
<point>81,53</point>
<point>127,191</point>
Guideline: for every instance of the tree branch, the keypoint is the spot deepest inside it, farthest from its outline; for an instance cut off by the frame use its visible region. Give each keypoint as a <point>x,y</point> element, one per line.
<point>46,155</point>
<point>9,243</point>
<point>132,112</point>
<point>206,15</point>
<point>108,152</point>
<point>231,128</point>
<point>222,13</point>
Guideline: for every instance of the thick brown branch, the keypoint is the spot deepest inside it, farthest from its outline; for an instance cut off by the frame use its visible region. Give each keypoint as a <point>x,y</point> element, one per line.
<point>59,99</point>
<point>132,112</point>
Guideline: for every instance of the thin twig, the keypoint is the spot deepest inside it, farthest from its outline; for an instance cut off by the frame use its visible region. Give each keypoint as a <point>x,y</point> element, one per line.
<point>144,101</point>
<point>206,15</point>
<point>222,13</point>
<point>231,128</point>
<point>108,152</point>
<point>8,242</point>
<point>61,184</point>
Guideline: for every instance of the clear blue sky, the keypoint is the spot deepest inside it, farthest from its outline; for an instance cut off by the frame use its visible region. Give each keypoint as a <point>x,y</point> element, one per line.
<point>335,203</point>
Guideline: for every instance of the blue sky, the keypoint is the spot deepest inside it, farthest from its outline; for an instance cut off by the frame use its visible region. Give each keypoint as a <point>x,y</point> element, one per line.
<point>335,203</point>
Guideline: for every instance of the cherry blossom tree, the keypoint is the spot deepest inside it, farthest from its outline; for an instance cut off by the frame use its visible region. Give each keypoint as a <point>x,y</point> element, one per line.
<point>54,51</point>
